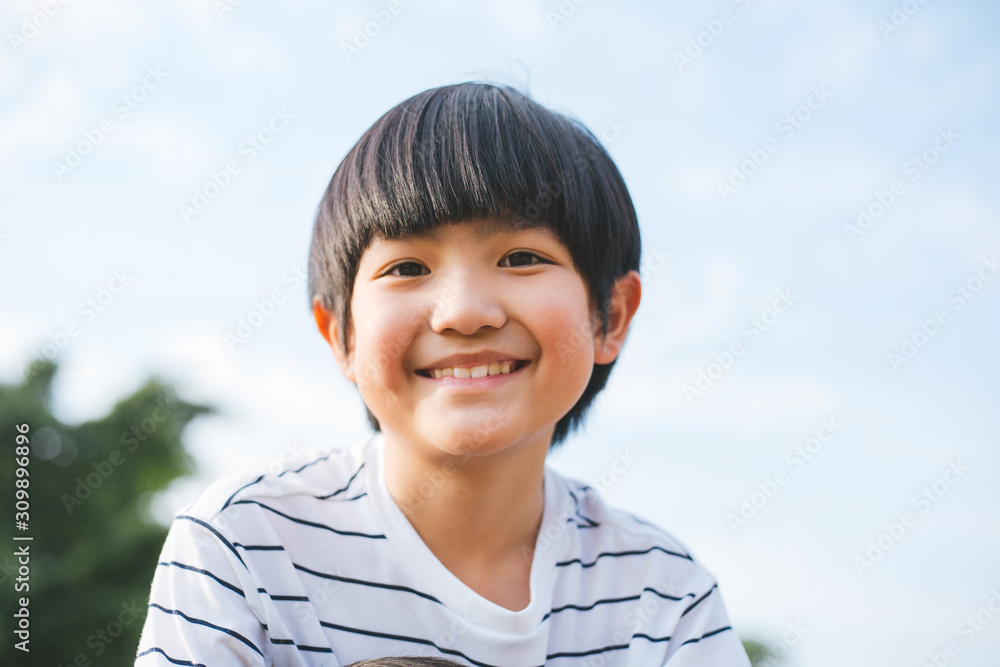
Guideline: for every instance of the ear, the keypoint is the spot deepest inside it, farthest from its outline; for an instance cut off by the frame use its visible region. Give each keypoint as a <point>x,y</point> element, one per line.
<point>329,328</point>
<point>625,296</point>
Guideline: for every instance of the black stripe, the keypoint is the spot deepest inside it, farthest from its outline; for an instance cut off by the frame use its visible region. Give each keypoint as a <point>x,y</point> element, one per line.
<point>259,547</point>
<point>310,523</point>
<point>580,654</point>
<point>164,654</point>
<point>707,635</point>
<point>224,506</point>
<point>656,528</point>
<point>198,621</point>
<point>576,510</point>
<point>698,601</point>
<point>588,607</point>
<point>613,647</point>
<point>280,474</point>
<point>284,598</point>
<point>668,597</point>
<point>347,486</point>
<point>206,573</point>
<point>316,649</point>
<point>214,532</point>
<point>556,610</point>
<point>403,638</point>
<point>615,554</point>
<point>362,582</point>
<point>306,465</point>
<point>302,647</point>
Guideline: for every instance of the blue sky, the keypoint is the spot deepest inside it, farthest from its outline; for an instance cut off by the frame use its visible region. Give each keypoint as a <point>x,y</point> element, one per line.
<point>819,107</point>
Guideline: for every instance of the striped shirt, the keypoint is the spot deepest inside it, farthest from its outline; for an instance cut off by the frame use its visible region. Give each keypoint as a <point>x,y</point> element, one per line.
<point>317,565</point>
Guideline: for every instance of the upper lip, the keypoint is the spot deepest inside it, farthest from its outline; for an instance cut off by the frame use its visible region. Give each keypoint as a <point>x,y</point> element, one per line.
<point>469,360</point>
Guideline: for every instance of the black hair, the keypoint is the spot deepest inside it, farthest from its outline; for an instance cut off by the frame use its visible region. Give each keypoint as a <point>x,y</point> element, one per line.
<point>474,152</point>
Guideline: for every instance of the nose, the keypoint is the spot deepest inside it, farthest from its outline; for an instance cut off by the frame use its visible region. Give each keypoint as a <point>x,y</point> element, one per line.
<point>466,302</point>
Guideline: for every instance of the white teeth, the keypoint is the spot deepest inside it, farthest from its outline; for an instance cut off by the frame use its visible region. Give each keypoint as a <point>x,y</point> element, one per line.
<point>492,368</point>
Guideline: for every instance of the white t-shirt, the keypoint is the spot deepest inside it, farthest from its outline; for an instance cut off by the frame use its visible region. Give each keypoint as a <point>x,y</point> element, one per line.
<point>317,565</point>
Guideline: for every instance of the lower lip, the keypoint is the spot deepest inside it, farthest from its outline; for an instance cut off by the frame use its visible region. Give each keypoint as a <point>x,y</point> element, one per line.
<point>485,382</point>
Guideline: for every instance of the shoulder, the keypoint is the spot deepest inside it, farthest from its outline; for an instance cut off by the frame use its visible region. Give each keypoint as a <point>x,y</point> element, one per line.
<point>617,525</point>
<point>322,473</point>
<point>627,540</point>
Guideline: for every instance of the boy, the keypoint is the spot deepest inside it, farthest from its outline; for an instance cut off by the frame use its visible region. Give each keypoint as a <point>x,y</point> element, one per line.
<point>474,269</point>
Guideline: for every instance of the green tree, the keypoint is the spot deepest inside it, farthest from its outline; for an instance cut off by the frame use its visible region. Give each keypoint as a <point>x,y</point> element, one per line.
<point>756,651</point>
<point>94,545</point>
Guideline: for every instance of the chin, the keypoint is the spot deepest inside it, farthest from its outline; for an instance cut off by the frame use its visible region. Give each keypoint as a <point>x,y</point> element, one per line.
<point>467,437</point>
<point>470,443</point>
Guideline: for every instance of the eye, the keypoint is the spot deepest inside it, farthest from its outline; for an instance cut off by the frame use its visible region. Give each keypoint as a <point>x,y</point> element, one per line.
<point>523,258</point>
<point>406,270</point>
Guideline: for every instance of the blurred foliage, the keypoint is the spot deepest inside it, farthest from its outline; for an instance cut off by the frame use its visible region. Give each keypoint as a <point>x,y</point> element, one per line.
<point>95,544</point>
<point>757,652</point>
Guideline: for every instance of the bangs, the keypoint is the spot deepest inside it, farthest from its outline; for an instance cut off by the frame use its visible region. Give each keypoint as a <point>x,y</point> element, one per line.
<point>460,153</point>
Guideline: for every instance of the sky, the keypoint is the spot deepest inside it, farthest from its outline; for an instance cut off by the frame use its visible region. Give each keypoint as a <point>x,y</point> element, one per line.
<point>808,394</point>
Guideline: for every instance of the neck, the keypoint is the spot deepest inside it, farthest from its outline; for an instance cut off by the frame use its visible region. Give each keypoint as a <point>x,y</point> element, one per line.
<point>472,512</point>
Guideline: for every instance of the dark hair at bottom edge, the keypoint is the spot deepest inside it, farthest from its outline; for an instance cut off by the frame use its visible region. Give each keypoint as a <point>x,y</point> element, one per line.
<point>405,661</point>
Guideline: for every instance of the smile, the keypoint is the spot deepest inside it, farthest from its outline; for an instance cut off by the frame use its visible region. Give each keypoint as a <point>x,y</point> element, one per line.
<point>492,368</point>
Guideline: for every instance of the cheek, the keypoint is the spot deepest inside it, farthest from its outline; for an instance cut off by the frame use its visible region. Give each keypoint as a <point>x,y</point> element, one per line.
<point>383,336</point>
<point>564,330</point>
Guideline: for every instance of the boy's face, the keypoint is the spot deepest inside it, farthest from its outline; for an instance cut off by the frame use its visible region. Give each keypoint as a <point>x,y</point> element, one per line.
<point>511,298</point>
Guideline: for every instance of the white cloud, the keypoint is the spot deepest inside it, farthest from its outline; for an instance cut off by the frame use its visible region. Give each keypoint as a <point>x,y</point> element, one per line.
<point>18,334</point>
<point>250,52</point>
<point>43,122</point>
<point>170,151</point>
